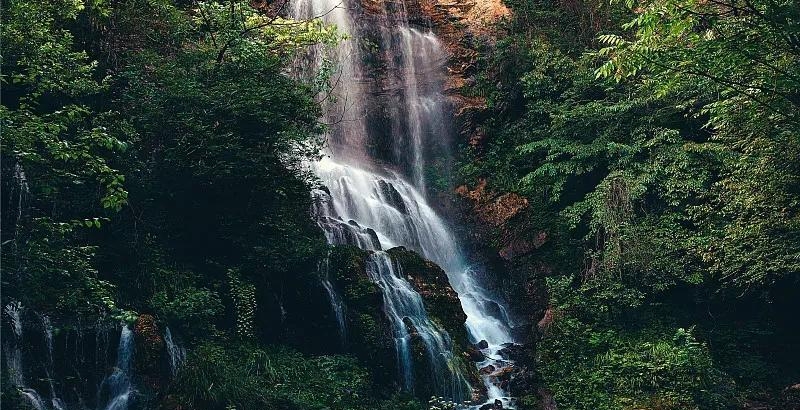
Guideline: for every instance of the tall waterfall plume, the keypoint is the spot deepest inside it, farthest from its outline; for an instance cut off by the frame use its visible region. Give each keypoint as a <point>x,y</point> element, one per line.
<point>375,174</point>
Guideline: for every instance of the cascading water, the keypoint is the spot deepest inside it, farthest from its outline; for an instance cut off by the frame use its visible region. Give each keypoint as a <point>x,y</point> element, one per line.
<point>360,198</point>
<point>368,200</point>
<point>117,387</point>
<point>337,304</point>
<point>176,352</point>
<point>404,307</point>
<point>58,376</point>
<point>406,312</point>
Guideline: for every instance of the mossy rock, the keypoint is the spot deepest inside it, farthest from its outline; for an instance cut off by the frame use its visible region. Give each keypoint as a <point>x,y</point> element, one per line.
<point>369,334</point>
<point>443,307</point>
<point>431,282</point>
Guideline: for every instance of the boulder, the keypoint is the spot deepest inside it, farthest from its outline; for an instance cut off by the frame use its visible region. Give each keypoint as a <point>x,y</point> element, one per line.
<point>511,351</point>
<point>149,350</point>
<point>497,405</point>
<point>522,383</point>
<point>474,354</point>
<point>503,374</point>
<point>482,345</point>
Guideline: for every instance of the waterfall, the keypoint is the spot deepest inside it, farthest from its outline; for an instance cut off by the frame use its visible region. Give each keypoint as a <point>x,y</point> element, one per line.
<point>14,355</point>
<point>176,352</point>
<point>337,304</point>
<point>345,102</point>
<point>376,200</point>
<point>117,387</point>
<point>406,312</point>
<point>33,398</point>
<point>358,199</point>
<point>57,403</point>
<point>41,378</point>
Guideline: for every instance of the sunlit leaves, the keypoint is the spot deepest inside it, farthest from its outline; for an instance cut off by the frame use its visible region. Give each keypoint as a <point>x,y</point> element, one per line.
<point>238,25</point>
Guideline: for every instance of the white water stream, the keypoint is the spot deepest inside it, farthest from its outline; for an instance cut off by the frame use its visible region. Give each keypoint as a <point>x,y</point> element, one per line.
<point>380,203</point>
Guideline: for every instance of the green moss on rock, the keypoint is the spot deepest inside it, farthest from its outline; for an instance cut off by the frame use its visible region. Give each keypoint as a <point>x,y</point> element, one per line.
<point>431,282</point>
<point>442,305</point>
<point>368,331</point>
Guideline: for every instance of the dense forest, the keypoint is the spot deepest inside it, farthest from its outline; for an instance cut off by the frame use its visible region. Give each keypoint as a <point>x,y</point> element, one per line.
<point>412,205</point>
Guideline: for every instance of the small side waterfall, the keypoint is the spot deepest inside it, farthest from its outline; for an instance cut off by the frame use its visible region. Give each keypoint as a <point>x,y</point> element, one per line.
<point>57,403</point>
<point>13,351</point>
<point>34,399</point>
<point>346,103</point>
<point>117,387</point>
<point>54,370</point>
<point>337,304</point>
<point>176,352</point>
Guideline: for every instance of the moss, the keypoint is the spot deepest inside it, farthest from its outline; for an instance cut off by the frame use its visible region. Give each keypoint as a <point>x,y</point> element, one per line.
<point>443,307</point>
<point>368,332</point>
<point>227,374</point>
<point>441,301</point>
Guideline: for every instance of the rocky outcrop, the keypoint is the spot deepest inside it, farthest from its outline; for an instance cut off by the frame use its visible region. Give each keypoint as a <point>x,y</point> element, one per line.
<point>430,281</point>
<point>494,209</point>
<point>443,307</point>
<point>150,351</point>
<point>369,335</point>
<point>149,343</point>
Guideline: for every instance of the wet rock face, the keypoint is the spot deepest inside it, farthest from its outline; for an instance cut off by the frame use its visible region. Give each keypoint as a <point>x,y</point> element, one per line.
<point>150,349</point>
<point>369,335</point>
<point>444,308</point>
<point>430,281</point>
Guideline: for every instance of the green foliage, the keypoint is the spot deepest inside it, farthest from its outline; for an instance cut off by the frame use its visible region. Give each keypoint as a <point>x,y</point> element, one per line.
<point>591,362</point>
<point>743,54</point>
<point>189,201</point>
<point>195,309</point>
<point>244,300</point>
<point>239,26</point>
<point>667,160</point>
<point>247,377</point>
<point>224,142</point>
<point>58,181</point>
<point>593,368</point>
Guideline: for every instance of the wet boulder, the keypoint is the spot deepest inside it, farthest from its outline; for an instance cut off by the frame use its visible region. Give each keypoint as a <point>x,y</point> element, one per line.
<point>474,354</point>
<point>391,196</point>
<point>511,351</point>
<point>430,281</point>
<point>503,374</point>
<point>496,405</point>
